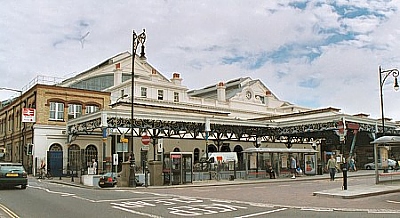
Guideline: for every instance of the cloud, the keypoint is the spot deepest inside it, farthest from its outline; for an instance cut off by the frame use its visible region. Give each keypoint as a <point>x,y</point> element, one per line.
<point>311,53</point>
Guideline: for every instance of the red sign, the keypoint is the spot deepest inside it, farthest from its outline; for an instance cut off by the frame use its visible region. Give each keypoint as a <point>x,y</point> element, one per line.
<point>145,139</point>
<point>29,115</point>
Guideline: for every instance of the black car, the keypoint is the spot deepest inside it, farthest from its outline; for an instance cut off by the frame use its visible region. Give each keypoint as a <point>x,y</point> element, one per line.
<point>108,180</point>
<point>13,174</point>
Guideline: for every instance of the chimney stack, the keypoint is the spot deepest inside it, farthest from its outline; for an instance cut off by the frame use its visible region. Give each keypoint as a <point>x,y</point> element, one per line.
<point>176,79</point>
<point>221,96</point>
<point>117,74</point>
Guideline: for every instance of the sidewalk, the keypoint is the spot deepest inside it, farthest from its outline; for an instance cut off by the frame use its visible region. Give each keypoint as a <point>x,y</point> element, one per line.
<point>353,191</point>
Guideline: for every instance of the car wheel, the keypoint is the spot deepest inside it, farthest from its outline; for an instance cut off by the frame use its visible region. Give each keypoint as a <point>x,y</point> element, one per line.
<point>23,186</point>
<point>368,168</point>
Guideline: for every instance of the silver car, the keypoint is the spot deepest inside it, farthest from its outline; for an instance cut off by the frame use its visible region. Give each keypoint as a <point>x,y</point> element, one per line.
<point>370,166</point>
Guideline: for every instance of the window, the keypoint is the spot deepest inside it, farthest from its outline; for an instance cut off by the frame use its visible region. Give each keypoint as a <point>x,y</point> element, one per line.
<point>56,111</point>
<point>176,96</point>
<point>261,98</point>
<point>91,109</point>
<point>74,111</point>
<point>143,92</point>
<point>160,95</point>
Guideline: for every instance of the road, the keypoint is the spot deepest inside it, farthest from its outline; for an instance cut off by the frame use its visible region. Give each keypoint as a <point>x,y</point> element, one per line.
<point>284,199</point>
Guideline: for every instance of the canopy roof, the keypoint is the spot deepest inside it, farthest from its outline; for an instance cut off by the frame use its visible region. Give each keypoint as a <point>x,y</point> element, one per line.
<point>387,140</point>
<point>279,150</point>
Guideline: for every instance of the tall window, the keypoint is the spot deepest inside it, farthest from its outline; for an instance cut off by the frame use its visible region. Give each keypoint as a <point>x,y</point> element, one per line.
<point>160,95</point>
<point>176,96</point>
<point>74,111</point>
<point>56,111</point>
<point>143,92</point>
<point>91,109</point>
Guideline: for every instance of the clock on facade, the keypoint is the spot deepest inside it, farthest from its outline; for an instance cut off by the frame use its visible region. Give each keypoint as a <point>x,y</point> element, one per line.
<point>248,95</point>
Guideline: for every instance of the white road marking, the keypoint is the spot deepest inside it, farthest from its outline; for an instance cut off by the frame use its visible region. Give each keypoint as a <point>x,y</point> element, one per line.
<point>262,213</point>
<point>393,202</point>
<point>137,212</point>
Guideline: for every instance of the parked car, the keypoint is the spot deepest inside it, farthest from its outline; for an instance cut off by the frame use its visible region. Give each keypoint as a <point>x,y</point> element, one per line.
<point>370,166</point>
<point>108,180</point>
<point>13,174</point>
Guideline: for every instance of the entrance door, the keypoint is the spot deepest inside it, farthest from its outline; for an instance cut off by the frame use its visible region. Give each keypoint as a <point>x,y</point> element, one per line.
<point>55,163</point>
<point>176,169</point>
<point>187,175</point>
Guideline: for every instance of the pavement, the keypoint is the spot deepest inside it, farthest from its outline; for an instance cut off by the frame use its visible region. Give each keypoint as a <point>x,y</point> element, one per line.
<point>390,185</point>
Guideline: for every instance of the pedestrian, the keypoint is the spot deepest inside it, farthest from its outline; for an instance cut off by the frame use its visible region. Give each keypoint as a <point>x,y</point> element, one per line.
<point>94,167</point>
<point>270,171</point>
<point>293,167</point>
<point>42,169</point>
<point>352,164</point>
<point>331,166</point>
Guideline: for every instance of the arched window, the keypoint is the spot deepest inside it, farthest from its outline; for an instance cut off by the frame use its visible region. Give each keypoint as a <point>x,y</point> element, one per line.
<point>74,154</point>
<point>238,149</point>
<point>196,155</point>
<point>55,147</point>
<point>212,148</point>
<point>90,155</point>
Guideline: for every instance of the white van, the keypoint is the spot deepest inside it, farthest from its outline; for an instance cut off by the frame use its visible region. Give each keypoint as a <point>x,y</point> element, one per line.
<point>223,157</point>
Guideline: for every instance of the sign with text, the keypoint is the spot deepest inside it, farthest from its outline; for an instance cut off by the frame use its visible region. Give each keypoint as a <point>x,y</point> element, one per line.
<point>28,115</point>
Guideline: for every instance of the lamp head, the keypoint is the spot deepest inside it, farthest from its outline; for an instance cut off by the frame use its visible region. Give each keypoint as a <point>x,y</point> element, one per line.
<point>396,84</point>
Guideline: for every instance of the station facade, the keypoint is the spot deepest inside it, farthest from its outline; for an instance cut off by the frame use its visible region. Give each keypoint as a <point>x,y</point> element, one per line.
<point>88,117</point>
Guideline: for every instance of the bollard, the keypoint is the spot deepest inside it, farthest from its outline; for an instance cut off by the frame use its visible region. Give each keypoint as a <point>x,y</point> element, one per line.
<point>344,179</point>
<point>345,168</point>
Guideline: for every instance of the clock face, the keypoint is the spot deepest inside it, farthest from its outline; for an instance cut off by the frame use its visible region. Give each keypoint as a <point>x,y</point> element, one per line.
<point>248,95</point>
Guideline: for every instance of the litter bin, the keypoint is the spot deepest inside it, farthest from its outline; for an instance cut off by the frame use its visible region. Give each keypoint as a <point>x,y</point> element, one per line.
<point>319,169</point>
<point>231,177</point>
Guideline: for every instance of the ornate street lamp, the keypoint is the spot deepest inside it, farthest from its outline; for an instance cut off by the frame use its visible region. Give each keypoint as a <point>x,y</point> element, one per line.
<point>136,40</point>
<point>385,74</point>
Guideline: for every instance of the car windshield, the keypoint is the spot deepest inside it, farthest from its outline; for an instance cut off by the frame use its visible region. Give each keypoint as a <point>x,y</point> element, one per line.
<point>11,168</point>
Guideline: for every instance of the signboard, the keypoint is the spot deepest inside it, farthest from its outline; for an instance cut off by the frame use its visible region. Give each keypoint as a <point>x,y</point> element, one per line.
<point>115,159</point>
<point>145,139</point>
<point>122,147</point>
<point>28,115</point>
<point>160,145</point>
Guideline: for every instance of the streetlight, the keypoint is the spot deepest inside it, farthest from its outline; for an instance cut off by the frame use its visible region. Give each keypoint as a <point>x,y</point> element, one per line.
<point>136,40</point>
<point>386,73</point>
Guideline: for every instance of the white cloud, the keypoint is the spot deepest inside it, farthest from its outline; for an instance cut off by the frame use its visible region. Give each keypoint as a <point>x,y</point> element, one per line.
<point>317,67</point>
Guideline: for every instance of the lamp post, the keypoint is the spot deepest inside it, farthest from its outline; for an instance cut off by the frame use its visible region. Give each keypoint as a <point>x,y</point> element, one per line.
<point>385,74</point>
<point>136,40</point>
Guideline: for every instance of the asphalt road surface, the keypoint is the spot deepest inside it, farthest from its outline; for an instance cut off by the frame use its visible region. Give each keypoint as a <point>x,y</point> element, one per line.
<point>284,199</point>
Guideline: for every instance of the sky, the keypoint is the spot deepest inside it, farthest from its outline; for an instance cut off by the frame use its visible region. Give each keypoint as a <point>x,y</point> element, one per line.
<point>315,54</point>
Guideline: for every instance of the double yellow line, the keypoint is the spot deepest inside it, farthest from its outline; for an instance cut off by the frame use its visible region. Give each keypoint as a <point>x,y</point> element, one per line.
<point>8,211</point>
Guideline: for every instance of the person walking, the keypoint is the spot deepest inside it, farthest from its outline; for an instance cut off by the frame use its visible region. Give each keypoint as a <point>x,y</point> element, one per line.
<point>331,165</point>
<point>293,167</point>
<point>352,164</point>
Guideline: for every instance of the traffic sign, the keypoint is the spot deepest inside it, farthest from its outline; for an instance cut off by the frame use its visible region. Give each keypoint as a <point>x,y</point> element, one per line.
<point>145,139</point>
